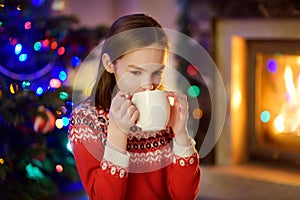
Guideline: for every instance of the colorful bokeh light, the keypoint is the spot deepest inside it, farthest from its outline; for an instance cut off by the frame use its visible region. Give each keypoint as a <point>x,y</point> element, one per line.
<point>61,51</point>
<point>37,46</point>
<point>63,95</point>
<point>27,25</point>
<point>18,49</point>
<point>13,88</point>
<point>193,91</point>
<point>192,70</point>
<point>23,57</point>
<point>39,91</point>
<point>59,123</point>
<point>25,85</point>
<point>75,61</point>
<point>59,168</point>
<point>53,45</point>
<point>45,43</point>
<point>37,2</point>
<point>69,146</point>
<point>197,113</point>
<point>272,66</point>
<point>62,76</point>
<point>265,116</point>
<point>65,121</point>
<point>55,83</point>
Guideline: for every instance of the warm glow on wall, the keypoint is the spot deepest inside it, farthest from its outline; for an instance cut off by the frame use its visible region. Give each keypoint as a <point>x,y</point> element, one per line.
<point>298,60</point>
<point>236,98</point>
<point>238,73</point>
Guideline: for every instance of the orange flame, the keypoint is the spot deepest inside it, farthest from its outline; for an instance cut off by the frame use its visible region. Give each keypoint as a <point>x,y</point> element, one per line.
<point>288,120</point>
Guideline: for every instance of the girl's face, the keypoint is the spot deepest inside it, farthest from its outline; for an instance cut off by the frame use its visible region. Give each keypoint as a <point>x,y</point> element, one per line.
<point>140,70</point>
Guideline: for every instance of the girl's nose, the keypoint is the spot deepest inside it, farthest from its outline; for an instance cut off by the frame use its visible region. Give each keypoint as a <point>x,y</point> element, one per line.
<point>148,86</point>
<point>147,82</point>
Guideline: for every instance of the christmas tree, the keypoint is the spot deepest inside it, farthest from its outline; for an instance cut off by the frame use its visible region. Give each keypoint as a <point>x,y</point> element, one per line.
<point>39,51</point>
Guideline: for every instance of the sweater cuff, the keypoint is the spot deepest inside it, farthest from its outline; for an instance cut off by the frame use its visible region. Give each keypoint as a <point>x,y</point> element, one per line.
<point>116,157</point>
<point>184,151</point>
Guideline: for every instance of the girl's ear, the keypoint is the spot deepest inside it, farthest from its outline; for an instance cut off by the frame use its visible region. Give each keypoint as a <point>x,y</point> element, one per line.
<point>108,65</point>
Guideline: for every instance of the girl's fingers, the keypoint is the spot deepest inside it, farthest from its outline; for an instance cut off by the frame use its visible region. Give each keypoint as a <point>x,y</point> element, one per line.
<point>135,116</point>
<point>180,99</point>
<point>124,107</point>
<point>118,100</point>
<point>131,109</point>
<point>176,95</point>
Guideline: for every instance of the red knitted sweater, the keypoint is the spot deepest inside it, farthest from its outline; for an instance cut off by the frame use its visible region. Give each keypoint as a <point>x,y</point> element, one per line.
<point>154,167</point>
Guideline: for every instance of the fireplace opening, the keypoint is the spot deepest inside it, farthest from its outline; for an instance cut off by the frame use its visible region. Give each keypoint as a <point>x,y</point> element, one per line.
<point>273,101</point>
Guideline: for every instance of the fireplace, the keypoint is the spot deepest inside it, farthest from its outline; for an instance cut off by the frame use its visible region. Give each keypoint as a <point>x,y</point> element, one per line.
<point>255,57</point>
<point>257,154</point>
<point>273,85</point>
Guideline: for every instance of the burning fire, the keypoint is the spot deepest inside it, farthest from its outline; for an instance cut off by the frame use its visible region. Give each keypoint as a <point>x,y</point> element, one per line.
<point>288,120</point>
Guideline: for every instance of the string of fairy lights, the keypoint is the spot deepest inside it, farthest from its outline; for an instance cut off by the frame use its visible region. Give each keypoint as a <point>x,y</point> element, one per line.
<point>22,50</point>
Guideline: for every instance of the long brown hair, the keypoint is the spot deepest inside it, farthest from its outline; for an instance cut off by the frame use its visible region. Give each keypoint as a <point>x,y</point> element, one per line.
<point>136,36</point>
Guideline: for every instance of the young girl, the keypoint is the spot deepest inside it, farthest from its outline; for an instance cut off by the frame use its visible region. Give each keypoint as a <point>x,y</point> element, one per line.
<point>116,159</point>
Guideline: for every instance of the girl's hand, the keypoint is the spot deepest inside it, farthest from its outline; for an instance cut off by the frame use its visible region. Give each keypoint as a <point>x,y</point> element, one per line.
<point>122,112</point>
<point>179,116</point>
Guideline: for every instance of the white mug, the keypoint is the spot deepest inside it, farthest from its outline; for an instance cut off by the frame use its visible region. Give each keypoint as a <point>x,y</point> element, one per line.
<point>154,109</point>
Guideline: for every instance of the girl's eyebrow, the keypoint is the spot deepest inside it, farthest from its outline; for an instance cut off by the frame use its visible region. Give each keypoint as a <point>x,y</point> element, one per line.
<point>142,69</point>
<point>136,67</point>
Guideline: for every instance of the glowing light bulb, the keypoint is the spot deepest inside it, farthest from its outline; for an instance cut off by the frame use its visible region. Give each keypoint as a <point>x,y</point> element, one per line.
<point>53,45</point>
<point>63,95</point>
<point>37,46</point>
<point>39,91</point>
<point>75,61</point>
<point>23,57</point>
<point>13,88</point>
<point>18,49</point>
<point>55,83</point>
<point>59,123</point>
<point>69,146</point>
<point>61,51</point>
<point>37,2</point>
<point>62,75</point>
<point>45,43</point>
<point>27,25</point>
<point>65,121</point>
<point>59,168</point>
<point>25,84</point>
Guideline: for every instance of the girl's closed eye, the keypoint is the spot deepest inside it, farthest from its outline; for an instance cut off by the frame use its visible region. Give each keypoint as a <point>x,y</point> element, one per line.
<point>135,72</point>
<point>158,73</point>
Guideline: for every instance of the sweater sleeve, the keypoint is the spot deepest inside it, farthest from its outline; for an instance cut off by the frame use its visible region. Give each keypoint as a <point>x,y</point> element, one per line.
<point>102,170</point>
<point>184,172</point>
